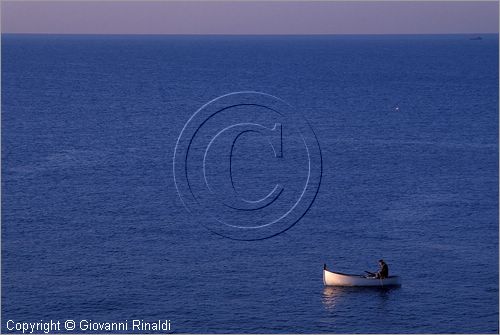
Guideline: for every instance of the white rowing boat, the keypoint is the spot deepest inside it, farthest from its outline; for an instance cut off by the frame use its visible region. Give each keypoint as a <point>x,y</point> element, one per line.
<point>331,278</point>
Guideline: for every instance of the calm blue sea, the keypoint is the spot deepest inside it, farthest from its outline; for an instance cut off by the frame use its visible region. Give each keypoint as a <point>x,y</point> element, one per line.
<point>93,227</point>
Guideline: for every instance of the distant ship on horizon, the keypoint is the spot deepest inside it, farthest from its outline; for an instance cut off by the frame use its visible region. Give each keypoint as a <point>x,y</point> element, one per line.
<point>476,38</point>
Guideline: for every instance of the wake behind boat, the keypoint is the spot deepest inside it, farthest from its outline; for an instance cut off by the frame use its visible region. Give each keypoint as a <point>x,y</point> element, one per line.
<point>331,278</point>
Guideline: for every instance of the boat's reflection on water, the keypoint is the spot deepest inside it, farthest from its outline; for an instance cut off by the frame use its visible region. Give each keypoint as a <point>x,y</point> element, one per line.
<point>333,296</point>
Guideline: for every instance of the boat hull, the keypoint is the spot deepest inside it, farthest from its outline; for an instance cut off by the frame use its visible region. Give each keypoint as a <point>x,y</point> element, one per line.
<point>331,278</point>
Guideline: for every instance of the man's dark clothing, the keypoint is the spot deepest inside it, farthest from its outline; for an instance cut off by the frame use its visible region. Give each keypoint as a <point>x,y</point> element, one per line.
<point>384,271</point>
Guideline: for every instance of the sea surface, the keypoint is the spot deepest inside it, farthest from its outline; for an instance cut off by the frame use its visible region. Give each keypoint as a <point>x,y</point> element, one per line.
<point>93,227</point>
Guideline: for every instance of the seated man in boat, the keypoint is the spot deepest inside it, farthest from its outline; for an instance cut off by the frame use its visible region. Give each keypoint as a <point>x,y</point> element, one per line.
<point>384,270</point>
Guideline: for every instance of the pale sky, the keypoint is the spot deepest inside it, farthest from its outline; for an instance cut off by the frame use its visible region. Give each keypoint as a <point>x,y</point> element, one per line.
<point>257,17</point>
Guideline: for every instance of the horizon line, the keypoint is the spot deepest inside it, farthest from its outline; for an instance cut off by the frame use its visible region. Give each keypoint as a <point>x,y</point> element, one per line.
<point>258,34</point>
